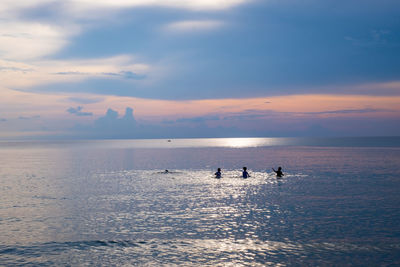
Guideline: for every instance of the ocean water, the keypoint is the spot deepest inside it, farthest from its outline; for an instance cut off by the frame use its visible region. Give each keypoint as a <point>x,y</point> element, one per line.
<point>108,202</point>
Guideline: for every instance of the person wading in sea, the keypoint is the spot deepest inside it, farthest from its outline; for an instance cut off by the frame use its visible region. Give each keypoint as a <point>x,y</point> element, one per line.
<point>278,172</point>
<point>245,174</point>
<point>218,173</point>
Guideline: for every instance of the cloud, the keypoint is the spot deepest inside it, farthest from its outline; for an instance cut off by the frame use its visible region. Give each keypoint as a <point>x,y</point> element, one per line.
<point>28,117</point>
<point>52,52</point>
<point>199,5</point>
<point>24,37</point>
<point>198,119</point>
<point>241,124</point>
<point>266,60</point>
<point>112,122</point>
<point>193,25</point>
<point>13,69</point>
<point>10,6</point>
<point>350,111</point>
<point>125,75</point>
<point>121,67</point>
<point>110,126</point>
<point>2,119</point>
<point>121,74</point>
<point>130,75</point>
<point>83,100</point>
<point>248,115</point>
<point>78,111</point>
<point>25,40</point>
<point>258,114</point>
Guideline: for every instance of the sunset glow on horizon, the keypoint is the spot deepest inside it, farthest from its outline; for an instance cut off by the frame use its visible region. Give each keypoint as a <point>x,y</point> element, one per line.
<point>198,69</point>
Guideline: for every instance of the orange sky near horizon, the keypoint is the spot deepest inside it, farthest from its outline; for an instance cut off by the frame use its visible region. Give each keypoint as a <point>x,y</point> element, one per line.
<point>16,103</point>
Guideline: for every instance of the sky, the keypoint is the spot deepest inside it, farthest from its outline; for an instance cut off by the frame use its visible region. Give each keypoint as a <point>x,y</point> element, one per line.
<point>202,68</point>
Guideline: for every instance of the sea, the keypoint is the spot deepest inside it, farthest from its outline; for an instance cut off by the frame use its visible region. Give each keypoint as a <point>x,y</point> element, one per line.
<point>111,203</point>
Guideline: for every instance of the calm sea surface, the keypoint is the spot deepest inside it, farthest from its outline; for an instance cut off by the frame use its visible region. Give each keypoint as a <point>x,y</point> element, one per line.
<point>108,203</point>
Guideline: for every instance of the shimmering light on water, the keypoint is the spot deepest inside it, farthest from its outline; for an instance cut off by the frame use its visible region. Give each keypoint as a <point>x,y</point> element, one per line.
<point>248,142</point>
<point>109,203</point>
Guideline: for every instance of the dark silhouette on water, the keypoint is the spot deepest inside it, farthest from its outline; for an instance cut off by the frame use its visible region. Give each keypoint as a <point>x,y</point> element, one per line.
<point>278,172</point>
<point>245,174</point>
<point>218,173</point>
<point>169,172</point>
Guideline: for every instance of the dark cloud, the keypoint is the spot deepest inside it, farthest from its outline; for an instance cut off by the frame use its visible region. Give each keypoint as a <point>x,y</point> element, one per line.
<point>78,111</point>
<point>2,119</point>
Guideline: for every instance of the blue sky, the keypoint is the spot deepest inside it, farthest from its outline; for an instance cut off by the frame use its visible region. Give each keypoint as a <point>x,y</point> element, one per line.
<point>177,61</point>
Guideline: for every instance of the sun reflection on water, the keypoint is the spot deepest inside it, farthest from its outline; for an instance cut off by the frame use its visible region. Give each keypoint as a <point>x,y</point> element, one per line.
<point>108,207</point>
<point>245,142</point>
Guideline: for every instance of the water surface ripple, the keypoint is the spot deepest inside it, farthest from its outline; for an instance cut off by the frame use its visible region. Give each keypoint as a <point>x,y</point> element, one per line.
<point>106,205</point>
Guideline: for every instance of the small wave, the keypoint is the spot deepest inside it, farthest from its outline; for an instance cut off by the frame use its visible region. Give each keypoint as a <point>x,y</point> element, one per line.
<point>73,244</point>
<point>58,246</point>
<point>198,252</point>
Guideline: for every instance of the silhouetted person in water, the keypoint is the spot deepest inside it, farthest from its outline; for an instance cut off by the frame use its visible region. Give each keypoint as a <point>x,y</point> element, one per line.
<point>278,172</point>
<point>245,174</point>
<point>218,173</point>
<point>166,171</point>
